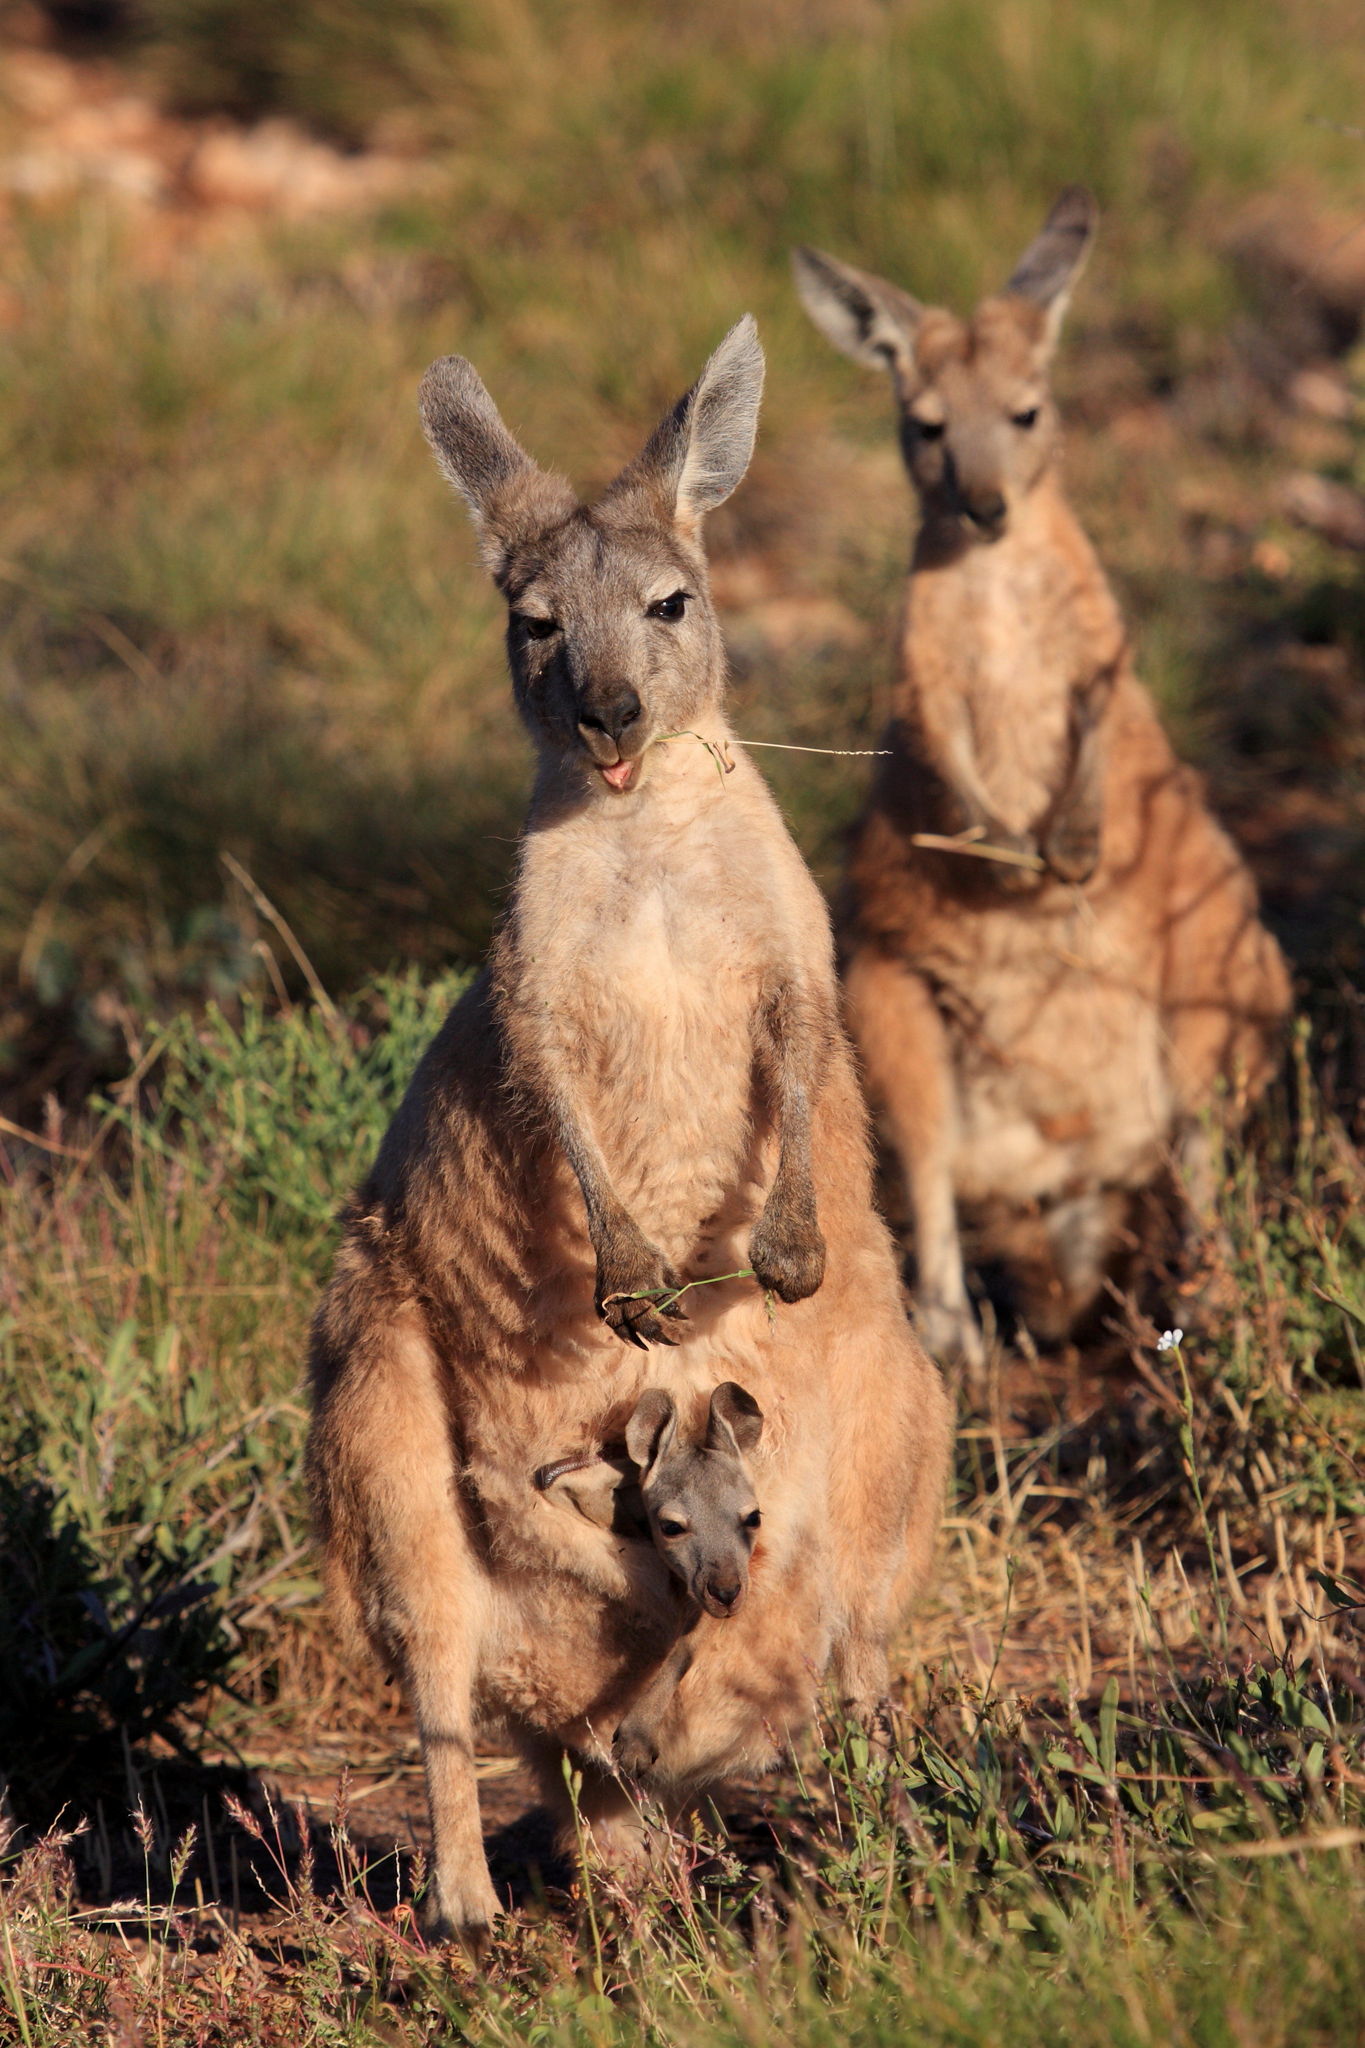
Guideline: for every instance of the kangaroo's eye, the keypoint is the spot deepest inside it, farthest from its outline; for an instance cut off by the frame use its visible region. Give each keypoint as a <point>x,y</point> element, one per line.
<point>670,608</point>
<point>535,628</point>
<point>929,430</point>
<point>670,1528</point>
<point>754,1520</point>
<point>1027,418</point>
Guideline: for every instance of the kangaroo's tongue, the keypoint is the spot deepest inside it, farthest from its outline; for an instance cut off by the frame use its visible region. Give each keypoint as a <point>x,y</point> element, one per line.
<point>619,774</point>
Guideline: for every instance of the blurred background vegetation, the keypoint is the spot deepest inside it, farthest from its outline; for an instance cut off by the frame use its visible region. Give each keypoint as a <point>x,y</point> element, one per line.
<point>260,780</point>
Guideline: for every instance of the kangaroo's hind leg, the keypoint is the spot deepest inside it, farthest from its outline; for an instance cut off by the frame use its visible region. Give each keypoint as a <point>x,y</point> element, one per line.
<point>399,1556</point>
<point>908,1066</point>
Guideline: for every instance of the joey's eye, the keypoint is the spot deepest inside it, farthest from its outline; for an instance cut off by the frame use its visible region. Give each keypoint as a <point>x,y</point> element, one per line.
<point>670,608</point>
<point>670,1528</point>
<point>929,430</point>
<point>535,628</point>
<point>754,1520</point>
<point>1027,418</point>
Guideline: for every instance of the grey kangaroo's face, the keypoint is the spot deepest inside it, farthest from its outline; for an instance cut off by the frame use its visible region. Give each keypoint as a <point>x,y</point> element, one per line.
<point>611,636</point>
<point>977,424</point>
<point>699,1500</point>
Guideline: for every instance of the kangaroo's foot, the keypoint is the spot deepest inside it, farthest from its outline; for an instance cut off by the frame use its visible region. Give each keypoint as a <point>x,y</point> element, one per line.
<point>953,1337</point>
<point>635,1749</point>
<point>462,1912</point>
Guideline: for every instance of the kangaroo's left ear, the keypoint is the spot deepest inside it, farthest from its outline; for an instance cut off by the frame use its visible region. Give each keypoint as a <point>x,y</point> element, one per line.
<point>734,1414</point>
<point>1047,271</point>
<point>697,455</point>
<point>867,317</point>
<point>652,1427</point>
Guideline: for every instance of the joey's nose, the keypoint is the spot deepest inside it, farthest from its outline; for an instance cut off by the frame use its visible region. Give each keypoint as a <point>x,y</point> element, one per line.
<point>612,715</point>
<point>722,1596</point>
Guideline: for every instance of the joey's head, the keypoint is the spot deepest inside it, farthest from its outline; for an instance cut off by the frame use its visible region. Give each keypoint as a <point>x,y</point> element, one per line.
<point>611,635</point>
<point>698,1498</point>
<point>978,426</point>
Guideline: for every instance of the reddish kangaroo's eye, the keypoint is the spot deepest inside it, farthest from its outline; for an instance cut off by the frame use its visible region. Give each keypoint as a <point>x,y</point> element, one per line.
<point>535,629</point>
<point>1027,418</point>
<point>929,430</point>
<point>671,608</point>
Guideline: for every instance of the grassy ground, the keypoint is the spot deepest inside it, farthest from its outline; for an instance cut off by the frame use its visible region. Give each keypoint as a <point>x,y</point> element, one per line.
<point>243,648</point>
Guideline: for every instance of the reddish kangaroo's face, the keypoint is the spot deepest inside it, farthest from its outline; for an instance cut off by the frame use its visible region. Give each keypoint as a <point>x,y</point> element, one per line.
<point>977,425</point>
<point>611,636</point>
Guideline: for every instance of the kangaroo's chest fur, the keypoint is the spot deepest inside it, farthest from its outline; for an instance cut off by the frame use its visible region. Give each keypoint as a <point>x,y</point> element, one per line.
<point>994,643</point>
<point>644,948</point>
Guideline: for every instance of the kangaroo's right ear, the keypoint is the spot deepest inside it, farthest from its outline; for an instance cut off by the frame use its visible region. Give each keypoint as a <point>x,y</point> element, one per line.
<point>698,454</point>
<point>1054,259</point>
<point>735,1411</point>
<point>491,471</point>
<point>651,1429</point>
<point>869,319</point>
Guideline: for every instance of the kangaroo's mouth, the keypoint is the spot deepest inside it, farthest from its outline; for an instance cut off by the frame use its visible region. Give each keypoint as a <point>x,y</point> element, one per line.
<point>621,775</point>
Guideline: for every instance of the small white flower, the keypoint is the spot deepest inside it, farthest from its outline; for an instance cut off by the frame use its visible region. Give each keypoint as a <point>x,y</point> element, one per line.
<point>1168,1340</point>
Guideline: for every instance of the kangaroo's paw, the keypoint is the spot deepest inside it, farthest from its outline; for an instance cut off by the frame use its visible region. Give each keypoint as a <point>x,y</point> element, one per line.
<point>634,1281</point>
<point>787,1251</point>
<point>1072,849</point>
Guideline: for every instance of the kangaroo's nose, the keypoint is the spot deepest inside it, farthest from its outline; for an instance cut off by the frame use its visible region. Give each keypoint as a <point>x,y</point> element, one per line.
<point>722,1595</point>
<point>612,714</point>
<point>986,509</point>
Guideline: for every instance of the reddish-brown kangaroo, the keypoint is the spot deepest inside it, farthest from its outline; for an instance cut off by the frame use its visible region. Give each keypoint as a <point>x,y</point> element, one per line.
<point>1046,1008</point>
<point>648,1086</point>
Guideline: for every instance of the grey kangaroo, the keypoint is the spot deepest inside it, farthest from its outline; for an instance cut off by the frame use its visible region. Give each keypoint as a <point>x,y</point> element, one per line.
<point>648,1083</point>
<point>695,1498</point>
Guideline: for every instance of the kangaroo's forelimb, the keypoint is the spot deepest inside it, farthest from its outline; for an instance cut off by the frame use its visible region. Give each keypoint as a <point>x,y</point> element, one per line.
<point>793,1035</point>
<point>1069,838</point>
<point>633,1276</point>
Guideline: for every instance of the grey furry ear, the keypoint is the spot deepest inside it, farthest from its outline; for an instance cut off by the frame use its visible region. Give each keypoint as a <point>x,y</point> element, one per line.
<point>1049,267</point>
<point>869,319</point>
<point>698,454</point>
<point>652,1427</point>
<point>734,1413</point>
<point>472,447</point>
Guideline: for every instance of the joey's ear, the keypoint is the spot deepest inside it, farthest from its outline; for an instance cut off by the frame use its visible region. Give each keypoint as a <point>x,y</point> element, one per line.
<point>1052,262</point>
<point>652,1427</point>
<point>869,319</point>
<point>505,491</point>
<point>698,454</point>
<point>736,1414</point>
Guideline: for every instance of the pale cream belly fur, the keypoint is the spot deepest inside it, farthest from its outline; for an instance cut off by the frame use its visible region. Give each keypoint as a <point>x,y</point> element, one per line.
<point>1062,1070</point>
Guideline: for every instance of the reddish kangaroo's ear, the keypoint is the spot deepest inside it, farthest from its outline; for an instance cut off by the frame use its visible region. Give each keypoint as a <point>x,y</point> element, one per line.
<point>1054,259</point>
<point>734,1415</point>
<point>698,454</point>
<point>651,1429</point>
<point>869,319</point>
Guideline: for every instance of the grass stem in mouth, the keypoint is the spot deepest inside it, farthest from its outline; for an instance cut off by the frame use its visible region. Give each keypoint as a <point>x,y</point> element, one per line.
<point>719,750</point>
